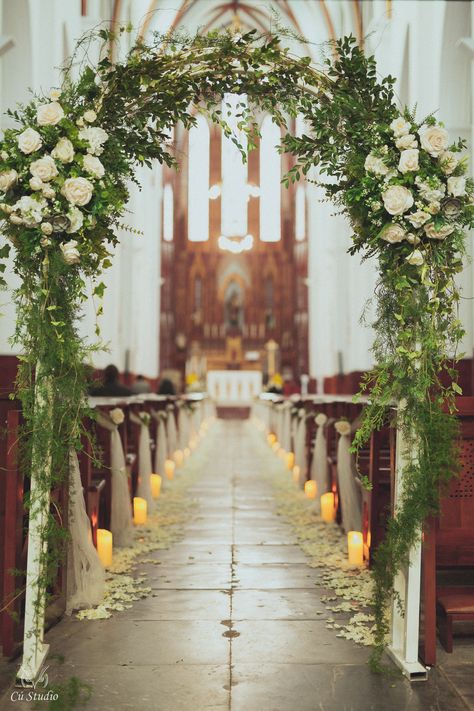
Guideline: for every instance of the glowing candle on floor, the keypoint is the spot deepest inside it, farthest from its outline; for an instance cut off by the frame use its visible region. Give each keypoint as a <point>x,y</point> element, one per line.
<point>187,452</point>
<point>169,469</point>
<point>296,474</point>
<point>310,489</point>
<point>355,548</point>
<point>290,460</point>
<point>328,512</point>
<point>139,511</point>
<point>104,546</point>
<point>155,481</point>
<point>178,457</point>
<point>271,439</point>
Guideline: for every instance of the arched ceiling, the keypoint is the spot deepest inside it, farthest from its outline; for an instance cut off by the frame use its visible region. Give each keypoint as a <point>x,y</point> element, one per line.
<point>317,21</point>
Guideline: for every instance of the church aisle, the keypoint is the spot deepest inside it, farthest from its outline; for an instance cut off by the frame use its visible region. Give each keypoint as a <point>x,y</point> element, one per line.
<point>232,622</point>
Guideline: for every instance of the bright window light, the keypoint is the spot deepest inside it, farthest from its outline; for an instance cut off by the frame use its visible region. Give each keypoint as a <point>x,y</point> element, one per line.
<point>168,213</point>
<point>234,170</point>
<point>300,214</point>
<point>198,182</point>
<point>270,188</point>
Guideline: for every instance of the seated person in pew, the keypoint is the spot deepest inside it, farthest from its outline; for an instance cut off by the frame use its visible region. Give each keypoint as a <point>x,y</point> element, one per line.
<point>166,387</point>
<point>111,386</point>
<point>141,385</point>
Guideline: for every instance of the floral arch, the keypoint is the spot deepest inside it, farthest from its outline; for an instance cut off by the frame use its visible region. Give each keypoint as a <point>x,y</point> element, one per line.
<point>397,178</point>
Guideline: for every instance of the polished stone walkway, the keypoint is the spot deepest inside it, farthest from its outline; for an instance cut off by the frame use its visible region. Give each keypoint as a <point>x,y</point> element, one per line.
<point>233,621</point>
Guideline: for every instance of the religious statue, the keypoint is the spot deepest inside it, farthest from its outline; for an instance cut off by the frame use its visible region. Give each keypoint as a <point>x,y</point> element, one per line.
<point>233,312</point>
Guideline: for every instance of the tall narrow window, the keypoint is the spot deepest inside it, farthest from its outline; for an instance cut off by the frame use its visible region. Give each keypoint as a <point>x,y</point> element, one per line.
<point>270,197</point>
<point>198,182</point>
<point>300,214</point>
<point>168,213</point>
<point>234,171</point>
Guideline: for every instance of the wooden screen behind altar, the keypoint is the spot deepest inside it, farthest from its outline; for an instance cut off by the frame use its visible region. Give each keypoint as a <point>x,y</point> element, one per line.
<point>229,293</point>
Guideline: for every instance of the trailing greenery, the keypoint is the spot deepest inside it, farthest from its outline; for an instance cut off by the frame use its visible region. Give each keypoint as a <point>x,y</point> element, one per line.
<point>65,173</point>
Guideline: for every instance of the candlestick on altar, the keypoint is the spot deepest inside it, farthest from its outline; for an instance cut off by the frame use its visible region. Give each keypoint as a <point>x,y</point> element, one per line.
<point>104,546</point>
<point>328,511</point>
<point>355,548</point>
<point>139,511</point>
<point>155,481</point>
<point>310,489</point>
<point>169,469</point>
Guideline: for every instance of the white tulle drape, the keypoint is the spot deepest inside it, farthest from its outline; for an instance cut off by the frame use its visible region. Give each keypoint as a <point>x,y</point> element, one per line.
<point>319,466</point>
<point>121,523</point>
<point>349,487</point>
<point>85,582</point>
<point>300,446</point>
<point>160,450</point>
<point>172,435</point>
<point>286,427</point>
<point>144,463</point>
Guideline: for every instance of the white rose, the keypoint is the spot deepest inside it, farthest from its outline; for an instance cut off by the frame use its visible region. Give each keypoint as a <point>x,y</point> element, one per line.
<point>44,169</point>
<point>433,208</point>
<point>76,218</point>
<point>375,165</point>
<point>400,127</point>
<point>321,419</point>
<point>16,219</point>
<point>448,162</point>
<point>46,228</point>
<point>7,179</point>
<point>63,150</point>
<point>397,199</point>
<point>54,94</point>
<point>429,193</point>
<point>117,415</point>
<point>95,137</point>
<point>90,116</point>
<point>440,232</point>
<point>457,186</point>
<point>413,239</point>
<point>77,191</point>
<point>409,160</point>
<point>93,166</point>
<point>408,141</point>
<point>70,252</point>
<point>29,141</point>
<point>48,192</point>
<point>393,233</point>
<point>434,140</point>
<point>418,218</point>
<point>4,155</point>
<point>343,427</point>
<point>36,184</point>
<point>415,258</point>
<point>49,114</point>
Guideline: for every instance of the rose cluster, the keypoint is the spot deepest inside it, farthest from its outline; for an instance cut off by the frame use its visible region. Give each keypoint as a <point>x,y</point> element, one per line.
<point>416,188</point>
<point>51,176</point>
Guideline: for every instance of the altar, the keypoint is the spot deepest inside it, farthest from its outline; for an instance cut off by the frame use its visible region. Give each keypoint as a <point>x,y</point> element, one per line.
<point>234,388</point>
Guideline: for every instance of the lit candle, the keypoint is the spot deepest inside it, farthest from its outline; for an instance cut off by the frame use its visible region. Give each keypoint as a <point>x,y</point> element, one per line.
<point>271,439</point>
<point>169,469</point>
<point>355,548</point>
<point>187,452</point>
<point>155,481</point>
<point>104,546</point>
<point>139,510</point>
<point>310,489</point>
<point>296,474</point>
<point>290,460</point>
<point>328,512</point>
<point>178,457</point>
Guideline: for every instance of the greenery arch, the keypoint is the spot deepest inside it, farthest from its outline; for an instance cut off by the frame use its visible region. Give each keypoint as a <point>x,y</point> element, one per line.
<point>398,179</point>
